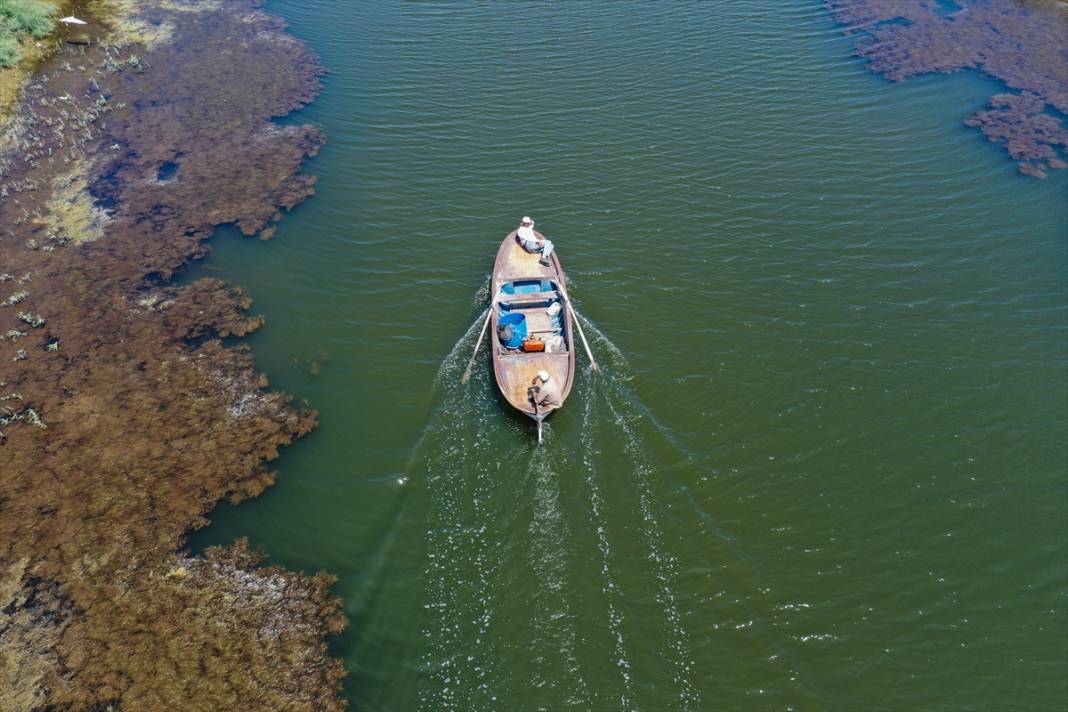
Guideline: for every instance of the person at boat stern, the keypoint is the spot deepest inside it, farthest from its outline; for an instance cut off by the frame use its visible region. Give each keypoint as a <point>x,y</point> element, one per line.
<point>545,391</point>
<point>531,242</point>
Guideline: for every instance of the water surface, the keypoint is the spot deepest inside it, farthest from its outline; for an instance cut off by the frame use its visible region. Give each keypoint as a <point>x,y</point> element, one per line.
<point>823,466</point>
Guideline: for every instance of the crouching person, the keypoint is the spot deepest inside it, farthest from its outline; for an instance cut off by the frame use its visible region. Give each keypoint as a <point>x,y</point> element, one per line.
<point>545,391</point>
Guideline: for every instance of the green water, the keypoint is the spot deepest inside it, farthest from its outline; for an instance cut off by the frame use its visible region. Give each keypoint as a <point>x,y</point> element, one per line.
<point>824,463</point>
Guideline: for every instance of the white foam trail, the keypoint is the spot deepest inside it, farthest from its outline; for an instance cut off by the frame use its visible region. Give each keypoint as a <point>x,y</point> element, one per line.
<point>611,390</point>
<point>456,360</point>
<point>463,476</point>
<point>549,534</point>
<point>616,357</point>
<point>619,371</point>
<point>611,591</point>
<point>461,560</point>
<point>666,564</point>
<point>481,295</point>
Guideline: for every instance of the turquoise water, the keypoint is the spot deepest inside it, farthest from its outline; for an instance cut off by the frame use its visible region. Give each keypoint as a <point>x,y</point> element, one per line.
<point>824,463</point>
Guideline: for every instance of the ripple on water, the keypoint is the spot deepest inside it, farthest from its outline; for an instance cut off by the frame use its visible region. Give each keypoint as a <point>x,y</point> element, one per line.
<point>840,321</point>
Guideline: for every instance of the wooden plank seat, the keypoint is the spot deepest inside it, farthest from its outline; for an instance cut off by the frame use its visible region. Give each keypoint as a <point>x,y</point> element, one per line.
<point>532,297</point>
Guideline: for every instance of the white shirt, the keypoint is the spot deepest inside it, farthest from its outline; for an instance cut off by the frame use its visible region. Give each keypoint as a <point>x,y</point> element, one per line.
<point>526,234</point>
<point>549,395</point>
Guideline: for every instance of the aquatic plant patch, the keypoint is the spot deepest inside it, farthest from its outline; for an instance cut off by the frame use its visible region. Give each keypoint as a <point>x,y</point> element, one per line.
<point>1020,43</point>
<point>125,417</point>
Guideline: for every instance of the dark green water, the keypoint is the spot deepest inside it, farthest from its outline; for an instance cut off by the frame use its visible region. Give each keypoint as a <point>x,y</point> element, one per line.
<point>824,465</point>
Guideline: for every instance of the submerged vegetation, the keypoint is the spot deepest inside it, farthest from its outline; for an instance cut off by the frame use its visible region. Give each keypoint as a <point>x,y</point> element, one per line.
<point>1019,43</point>
<point>20,20</point>
<point>123,416</point>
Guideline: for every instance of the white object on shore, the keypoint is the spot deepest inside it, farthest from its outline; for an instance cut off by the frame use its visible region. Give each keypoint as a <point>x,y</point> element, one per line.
<point>72,20</point>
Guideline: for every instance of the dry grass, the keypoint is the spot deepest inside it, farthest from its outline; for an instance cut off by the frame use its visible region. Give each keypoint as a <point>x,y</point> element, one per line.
<point>72,214</point>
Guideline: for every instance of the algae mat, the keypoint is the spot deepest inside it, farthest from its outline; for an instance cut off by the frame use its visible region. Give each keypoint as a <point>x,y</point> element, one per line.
<point>824,464</point>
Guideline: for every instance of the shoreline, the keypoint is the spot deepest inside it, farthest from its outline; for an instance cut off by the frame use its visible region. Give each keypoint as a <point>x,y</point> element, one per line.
<point>125,418</point>
<point>33,52</point>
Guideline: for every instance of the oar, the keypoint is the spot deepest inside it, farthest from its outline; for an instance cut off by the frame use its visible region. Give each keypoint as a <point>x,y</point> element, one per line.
<point>467,371</point>
<point>574,318</point>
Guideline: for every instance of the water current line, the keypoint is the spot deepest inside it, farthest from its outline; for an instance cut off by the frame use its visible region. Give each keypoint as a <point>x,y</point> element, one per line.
<point>452,365</point>
<point>461,477</point>
<point>616,357</point>
<point>623,405</point>
<point>666,564</point>
<point>611,591</point>
<point>461,473</point>
<point>549,534</point>
<point>621,373</point>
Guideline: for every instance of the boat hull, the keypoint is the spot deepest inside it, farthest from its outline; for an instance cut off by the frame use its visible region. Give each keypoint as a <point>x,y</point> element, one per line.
<point>513,370</point>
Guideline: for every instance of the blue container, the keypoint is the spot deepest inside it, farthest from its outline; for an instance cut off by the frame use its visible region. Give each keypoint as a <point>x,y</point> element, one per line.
<point>519,329</point>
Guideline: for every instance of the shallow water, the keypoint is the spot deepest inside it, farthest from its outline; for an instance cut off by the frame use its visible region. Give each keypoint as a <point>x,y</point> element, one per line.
<point>823,465</point>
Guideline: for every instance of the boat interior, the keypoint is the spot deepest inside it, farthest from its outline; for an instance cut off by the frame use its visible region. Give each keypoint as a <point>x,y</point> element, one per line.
<point>535,309</point>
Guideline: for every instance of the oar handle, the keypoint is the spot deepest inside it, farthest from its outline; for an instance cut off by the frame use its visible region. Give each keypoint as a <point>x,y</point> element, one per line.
<point>578,326</point>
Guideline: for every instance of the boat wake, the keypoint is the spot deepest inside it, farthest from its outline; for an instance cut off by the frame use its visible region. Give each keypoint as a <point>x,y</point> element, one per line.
<point>452,367</point>
<point>502,543</point>
<point>554,619</point>
<point>611,354</point>
<point>613,594</point>
<point>608,397</point>
<point>665,564</point>
<point>461,477</point>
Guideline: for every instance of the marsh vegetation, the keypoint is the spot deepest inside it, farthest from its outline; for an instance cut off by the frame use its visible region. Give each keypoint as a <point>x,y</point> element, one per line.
<point>21,21</point>
<point>117,443</point>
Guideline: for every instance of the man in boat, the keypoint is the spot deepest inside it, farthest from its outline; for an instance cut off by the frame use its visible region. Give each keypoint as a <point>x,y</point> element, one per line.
<point>545,391</point>
<point>531,242</point>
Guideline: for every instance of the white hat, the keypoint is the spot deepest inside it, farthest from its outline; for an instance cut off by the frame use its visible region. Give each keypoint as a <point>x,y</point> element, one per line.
<point>526,219</point>
<point>544,376</point>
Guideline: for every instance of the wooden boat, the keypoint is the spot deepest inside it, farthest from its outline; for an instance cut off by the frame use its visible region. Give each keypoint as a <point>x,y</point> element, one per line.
<point>522,285</point>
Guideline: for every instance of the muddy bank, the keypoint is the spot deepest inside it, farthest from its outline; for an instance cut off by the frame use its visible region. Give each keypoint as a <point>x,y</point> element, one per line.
<point>1023,43</point>
<point>125,418</point>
